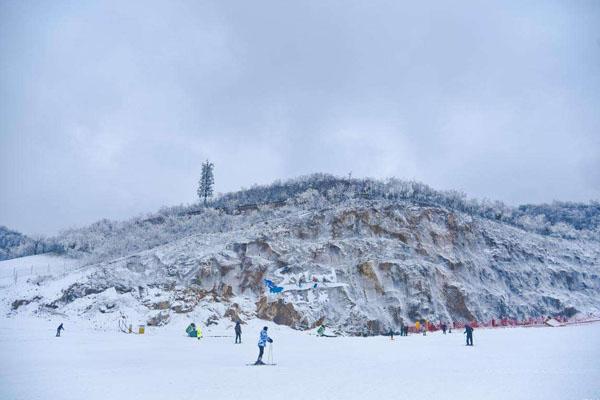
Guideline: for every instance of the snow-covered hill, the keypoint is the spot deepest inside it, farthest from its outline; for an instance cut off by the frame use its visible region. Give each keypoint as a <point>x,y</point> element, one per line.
<point>360,265</point>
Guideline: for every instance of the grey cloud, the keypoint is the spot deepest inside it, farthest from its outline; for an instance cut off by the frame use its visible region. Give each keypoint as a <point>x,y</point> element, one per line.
<point>107,109</point>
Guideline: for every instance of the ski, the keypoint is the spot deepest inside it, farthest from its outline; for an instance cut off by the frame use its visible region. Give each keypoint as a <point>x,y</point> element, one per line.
<point>261,365</point>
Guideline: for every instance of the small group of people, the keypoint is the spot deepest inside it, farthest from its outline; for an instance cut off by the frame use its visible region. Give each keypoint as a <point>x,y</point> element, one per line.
<point>445,328</point>
<point>194,331</point>
<point>404,330</point>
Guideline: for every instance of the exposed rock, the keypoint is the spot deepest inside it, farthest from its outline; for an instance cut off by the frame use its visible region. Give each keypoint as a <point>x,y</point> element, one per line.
<point>79,290</point>
<point>107,308</point>
<point>23,302</point>
<point>366,270</point>
<point>279,312</point>
<point>182,308</point>
<point>212,320</point>
<point>378,264</point>
<point>159,319</point>
<point>233,313</point>
<point>455,302</point>
<point>161,305</point>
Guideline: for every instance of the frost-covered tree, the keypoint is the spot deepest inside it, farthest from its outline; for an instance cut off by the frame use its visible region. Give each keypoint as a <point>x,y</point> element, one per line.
<point>207,181</point>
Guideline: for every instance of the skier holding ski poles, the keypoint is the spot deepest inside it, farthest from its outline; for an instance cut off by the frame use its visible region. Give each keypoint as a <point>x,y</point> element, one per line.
<point>262,342</point>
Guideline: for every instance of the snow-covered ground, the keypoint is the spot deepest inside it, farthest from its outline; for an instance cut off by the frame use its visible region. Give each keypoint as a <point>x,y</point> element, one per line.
<point>521,363</point>
<point>17,270</point>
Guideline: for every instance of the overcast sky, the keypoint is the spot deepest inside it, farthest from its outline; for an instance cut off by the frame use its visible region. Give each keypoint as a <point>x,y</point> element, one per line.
<point>107,109</point>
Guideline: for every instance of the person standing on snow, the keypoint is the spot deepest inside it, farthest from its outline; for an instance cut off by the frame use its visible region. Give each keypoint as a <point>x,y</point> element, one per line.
<point>238,332</point>
<point>469,332</point>
<point>444,327</point>
<point>60,328</point>
<point>262,342</point>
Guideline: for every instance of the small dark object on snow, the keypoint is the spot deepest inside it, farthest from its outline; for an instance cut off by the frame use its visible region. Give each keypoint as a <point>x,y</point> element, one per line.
<point>261,364</point>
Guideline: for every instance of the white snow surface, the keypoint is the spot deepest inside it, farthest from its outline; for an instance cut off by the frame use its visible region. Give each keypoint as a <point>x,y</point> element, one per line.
<point>88,363</point>
<point>33,266</point>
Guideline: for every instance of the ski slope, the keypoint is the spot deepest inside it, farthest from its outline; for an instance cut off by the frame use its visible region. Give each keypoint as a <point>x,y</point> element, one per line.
<point>17,270</point>
<point>520,363</point>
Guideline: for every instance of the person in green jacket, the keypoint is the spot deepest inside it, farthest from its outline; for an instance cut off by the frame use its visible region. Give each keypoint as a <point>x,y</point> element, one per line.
<point>321,330</point>
<point>191,330</point>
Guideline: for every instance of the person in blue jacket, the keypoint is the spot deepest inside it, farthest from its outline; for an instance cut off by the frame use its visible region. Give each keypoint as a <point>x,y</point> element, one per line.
<point>262,342</point>
<point>469,332</point>
<point>60,328</point>
<point>238,332</point>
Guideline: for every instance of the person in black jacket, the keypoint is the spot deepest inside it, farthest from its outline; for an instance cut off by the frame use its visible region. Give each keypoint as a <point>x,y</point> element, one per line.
<point>469,332</point>
<point>60,328</point>
<point>238,332</point>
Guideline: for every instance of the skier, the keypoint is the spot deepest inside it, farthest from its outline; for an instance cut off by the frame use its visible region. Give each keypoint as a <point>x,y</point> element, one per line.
<point>262,342</point>
<point>191,330</point>
<point>469,332</point>
<point>198,333</point>
<point>444,327</point>
<point>238,332</point>
<point>391,333</point>
<point>60,328</point>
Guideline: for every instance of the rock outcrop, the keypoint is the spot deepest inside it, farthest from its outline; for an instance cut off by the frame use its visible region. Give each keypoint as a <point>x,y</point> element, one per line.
<point>360,267</point>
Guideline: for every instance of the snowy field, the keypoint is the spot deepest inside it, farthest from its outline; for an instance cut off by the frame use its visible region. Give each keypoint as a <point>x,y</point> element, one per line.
<point>522,363</point>
<point>17,270</point>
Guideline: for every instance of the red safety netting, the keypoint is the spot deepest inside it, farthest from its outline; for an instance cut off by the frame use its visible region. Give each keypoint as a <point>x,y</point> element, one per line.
<point>503,322</point>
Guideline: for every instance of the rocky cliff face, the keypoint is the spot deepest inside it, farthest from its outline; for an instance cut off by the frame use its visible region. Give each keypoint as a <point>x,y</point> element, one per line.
<point>377,264</point>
